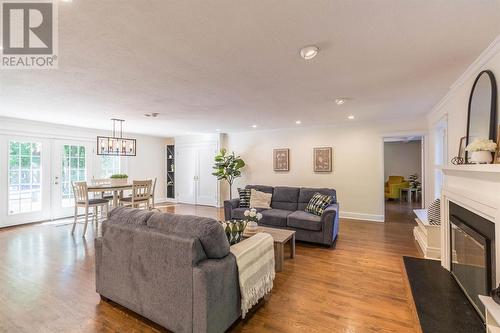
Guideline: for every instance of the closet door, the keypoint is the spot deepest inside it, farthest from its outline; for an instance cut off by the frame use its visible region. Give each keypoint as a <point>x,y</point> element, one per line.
<point>205,182</point>
<point>185,174</point>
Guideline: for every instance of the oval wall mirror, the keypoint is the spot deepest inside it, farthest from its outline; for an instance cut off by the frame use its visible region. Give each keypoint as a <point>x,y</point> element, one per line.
<point>482,115</point>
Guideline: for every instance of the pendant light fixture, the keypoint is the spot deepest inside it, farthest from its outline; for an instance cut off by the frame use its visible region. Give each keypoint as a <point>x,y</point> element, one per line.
<point>116,145</point>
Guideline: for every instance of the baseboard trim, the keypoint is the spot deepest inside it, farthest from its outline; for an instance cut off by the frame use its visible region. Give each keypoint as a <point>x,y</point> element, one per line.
<point>362,216</point>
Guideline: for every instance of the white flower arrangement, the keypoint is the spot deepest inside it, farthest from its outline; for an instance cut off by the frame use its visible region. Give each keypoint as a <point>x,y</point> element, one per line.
<point>481,145</point>
<point>252,215</point>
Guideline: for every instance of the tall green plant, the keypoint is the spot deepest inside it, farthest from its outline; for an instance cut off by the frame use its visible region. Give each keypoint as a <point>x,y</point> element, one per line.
<point>228,167</point>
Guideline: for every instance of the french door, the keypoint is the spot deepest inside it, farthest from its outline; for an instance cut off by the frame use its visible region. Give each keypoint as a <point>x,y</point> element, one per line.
<point>26,176</point>
<point>71,162</point>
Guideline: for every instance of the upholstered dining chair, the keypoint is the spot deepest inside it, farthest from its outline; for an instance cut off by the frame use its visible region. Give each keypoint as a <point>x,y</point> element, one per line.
<point>81,194</point>
<point>141,194</point>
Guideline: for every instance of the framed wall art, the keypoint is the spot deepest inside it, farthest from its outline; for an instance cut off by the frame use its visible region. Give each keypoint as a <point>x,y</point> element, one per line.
<point>323,159</point>
<point>281,159</point>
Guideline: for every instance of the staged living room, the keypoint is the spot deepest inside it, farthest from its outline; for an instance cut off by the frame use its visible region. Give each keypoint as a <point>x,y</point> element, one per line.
<point>262,166</point>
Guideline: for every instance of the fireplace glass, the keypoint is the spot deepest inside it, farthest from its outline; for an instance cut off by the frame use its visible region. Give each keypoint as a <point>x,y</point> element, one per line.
<point>469,264</point>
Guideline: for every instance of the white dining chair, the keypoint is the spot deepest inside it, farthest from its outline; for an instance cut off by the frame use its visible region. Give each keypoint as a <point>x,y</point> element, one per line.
<point>81,194</point>
<point>103,181</point>
<point>152,203</point>
<point>141,194</point>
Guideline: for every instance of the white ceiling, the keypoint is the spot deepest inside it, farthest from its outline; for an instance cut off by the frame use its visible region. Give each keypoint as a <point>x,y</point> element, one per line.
<point>229,64</point>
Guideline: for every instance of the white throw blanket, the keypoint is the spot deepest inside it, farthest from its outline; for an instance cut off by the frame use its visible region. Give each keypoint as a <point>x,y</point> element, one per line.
<point>255,260</point>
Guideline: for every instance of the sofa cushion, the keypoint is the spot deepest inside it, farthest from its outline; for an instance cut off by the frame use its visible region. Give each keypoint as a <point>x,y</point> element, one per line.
<point>239,213</point>
<point>129,215</point>
<point>260,199</point>
<point>275,217</point>
<point>244,194</point>
<point>262,188</point>
<point>285,198</point>
<point>208,231</point>
<point>304,220</point>
<point>306,194</point>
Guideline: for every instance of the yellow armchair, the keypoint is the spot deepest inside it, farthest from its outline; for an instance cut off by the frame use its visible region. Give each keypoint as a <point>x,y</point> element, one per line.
<point>392,186</point>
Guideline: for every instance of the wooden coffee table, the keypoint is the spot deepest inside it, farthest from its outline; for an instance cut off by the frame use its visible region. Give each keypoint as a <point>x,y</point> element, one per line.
<point>281,237</point>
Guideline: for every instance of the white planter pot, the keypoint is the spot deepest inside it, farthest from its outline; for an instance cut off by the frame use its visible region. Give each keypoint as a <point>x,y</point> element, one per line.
<point>481,157</point>
<point>252,226</point>
<point>119,181</point>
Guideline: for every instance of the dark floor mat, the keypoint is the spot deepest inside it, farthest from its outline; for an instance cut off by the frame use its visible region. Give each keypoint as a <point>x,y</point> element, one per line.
<point>441,305</point>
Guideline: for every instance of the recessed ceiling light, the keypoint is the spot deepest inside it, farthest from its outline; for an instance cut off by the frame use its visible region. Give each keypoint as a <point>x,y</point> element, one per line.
<point>339,101</point>
<point>298,122</point>
<point>254,126</point>
<point>309,52</point>
<point>351,117</point>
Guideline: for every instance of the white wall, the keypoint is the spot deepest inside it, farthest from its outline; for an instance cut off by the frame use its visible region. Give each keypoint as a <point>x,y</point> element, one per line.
<point>149,162</point>
<point>402,159</point>
<point>454,106</point>
<point>358,173</point>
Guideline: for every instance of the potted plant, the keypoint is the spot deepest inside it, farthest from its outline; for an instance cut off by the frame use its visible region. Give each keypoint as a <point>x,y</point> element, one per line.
<point>119,179</point>
<point>228,167</point>
<point>413,181</point>
<point>481,150</point>
<point>252,217</point>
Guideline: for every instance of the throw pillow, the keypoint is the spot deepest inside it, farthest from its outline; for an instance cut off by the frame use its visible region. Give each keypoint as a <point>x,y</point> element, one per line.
<point>244,194</point>
<point>434,212</point>
<point>234,230</point>
<point>318,203</point>
<point>260,199</point>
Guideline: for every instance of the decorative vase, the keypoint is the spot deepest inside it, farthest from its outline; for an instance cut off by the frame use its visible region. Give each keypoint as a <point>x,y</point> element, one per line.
<point>234,230</point>
<point>252,227</point>
<point>119,181</point>
<point>481,157</point>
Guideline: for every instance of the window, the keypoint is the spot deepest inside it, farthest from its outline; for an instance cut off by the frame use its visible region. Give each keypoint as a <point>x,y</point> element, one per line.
<point>25,172</point>
<point>109,165</point>
<point>74,169</point>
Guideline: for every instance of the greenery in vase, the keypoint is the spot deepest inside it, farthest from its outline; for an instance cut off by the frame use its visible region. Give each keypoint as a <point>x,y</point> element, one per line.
<point>119,176</point>
<point>413,180</point>
<point>228,167</point>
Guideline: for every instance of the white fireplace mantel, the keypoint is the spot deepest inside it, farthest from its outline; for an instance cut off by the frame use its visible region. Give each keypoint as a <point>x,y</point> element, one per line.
<point>476,188</point>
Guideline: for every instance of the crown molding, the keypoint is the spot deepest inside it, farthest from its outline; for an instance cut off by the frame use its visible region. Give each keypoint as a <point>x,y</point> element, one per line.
<point>492,50</point>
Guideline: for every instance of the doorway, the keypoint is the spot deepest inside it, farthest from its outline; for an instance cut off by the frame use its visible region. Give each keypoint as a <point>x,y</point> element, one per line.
<point>403,177</point>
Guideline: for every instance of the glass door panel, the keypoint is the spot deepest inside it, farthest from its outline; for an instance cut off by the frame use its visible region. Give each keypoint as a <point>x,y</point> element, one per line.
<point>25,178</point>
<point>71,163</point>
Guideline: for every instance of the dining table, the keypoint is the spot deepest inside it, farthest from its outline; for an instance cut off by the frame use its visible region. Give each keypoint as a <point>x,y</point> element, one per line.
<point>116,189</point>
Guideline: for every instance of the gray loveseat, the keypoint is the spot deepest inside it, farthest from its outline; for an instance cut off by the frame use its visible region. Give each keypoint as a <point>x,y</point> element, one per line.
<point>175,270</point>
<point>288,212</point>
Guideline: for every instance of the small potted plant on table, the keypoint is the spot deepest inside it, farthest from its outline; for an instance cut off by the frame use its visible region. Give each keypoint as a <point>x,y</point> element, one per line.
<point>119,179</point>
<point>252,216</point>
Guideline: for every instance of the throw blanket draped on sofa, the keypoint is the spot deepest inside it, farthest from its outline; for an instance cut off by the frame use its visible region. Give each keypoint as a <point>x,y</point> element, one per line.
<point>255,261</point>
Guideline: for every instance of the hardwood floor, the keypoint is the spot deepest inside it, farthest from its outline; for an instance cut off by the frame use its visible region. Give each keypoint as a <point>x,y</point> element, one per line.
<point>47,283</point>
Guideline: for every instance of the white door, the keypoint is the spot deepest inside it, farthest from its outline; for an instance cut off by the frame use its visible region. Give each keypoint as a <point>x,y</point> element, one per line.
<point>185,174</point>
<point>206,183</point>
<point>25,179</point>
<point>71,162</point>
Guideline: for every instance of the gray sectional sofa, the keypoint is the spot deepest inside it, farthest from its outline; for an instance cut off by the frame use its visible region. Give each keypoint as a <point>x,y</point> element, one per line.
<point>175,270</point>
<point>288,212</point>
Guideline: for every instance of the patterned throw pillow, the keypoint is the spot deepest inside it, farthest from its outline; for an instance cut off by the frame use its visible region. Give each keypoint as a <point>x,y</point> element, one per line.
<point>244,194</point>
<point>318,203</point>
<point>434,212</point>
<point>234,230</point>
